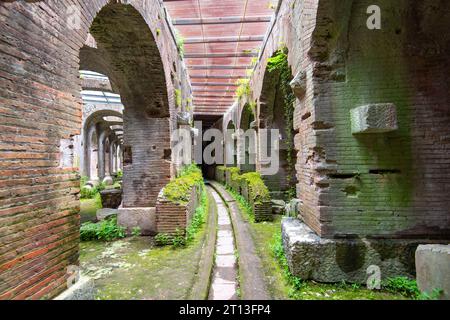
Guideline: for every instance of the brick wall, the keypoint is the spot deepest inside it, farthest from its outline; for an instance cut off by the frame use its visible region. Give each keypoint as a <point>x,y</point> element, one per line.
<point>376,185</point>
<point>40,105</point>
<point>172,217</point>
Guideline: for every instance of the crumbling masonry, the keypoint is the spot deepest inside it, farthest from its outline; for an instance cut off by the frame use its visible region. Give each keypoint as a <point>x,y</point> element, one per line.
<point>370,129</point>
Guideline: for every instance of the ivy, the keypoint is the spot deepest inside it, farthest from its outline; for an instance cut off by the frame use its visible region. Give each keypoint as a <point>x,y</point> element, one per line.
<point>279,63</point>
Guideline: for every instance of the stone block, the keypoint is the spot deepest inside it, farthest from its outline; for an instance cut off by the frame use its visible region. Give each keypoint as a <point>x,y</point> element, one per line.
<point>111,198</point>
<point>144,218</point>
<point>374,118</point>
<point>292,209</point>
<point>298,84</point>
<point>106,213</point>
<point>433,269</point>
<point>83,289</point>
<point>278,206</point>
<point>334,260</point>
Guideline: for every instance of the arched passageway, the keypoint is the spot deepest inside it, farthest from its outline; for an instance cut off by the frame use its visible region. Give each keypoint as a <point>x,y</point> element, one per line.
<point>276,111</point>
<point>247,147</point>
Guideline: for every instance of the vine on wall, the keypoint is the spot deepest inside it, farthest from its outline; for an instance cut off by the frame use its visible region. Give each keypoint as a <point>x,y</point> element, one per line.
<point>279,63</point>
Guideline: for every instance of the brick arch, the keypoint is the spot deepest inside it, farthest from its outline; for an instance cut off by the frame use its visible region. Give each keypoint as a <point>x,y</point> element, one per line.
<point>92,118</point>
<point>247,158</point>
<point>132,58</point>
<point>42,104</point>
<point>246,117</point>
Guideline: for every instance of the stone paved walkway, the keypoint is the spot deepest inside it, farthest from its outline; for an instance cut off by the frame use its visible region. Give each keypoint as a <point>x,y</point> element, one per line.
<point>224,281</point>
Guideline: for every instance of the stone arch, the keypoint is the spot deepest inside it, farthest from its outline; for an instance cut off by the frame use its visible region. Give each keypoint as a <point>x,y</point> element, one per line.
<point>95,117</point>
<point>230,144</point>
<point>136,72</point>
<point>247,153</point>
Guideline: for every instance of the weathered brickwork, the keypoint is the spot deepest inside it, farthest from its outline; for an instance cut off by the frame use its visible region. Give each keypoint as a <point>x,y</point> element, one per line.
<point>393,184</point>
<point>40,105</point>
<point>172,218</point>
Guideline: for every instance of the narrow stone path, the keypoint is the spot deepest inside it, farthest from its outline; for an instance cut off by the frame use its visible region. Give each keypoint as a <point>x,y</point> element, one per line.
<point>252,282</point>
<point>224,282</point>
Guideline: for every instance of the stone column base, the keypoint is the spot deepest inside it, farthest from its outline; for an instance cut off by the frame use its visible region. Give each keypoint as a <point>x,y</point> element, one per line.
<point>144,218</point>
<point>334,260</point>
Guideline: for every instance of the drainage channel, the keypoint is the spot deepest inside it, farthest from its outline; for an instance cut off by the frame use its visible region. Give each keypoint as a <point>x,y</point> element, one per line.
<point>224,283</point>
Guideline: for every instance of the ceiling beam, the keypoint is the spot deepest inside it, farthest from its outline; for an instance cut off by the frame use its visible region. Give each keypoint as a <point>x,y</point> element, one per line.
<point>219,67</point>
<point>224,39</point>
<point>213,84</point>
<point>216,77</point>
<point>212,107</point>
<point>212,101</point>
<point>220,55</point>
<point>219,20</point>
<point>201,96</point>
<point>209,113</point>
<point>213,90</point>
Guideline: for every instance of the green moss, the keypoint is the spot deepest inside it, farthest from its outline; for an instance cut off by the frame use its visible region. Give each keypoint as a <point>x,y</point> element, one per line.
<point>89,207</point>
<point>244,88</point>
<point>257,190</point>
<point>180,43</point>
<point>279,63</point>
<point>178,98</point>
<point>179,189</point>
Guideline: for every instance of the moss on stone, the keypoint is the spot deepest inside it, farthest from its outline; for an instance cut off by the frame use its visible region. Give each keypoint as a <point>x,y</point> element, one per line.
<point>258,191</point>
<point>179,189</point>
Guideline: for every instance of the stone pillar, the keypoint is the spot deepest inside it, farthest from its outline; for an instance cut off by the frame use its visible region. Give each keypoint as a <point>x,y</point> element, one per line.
<point>91,155</point>
<point>101,155</point>
<point>146,168</point>
<point>112,157</point>
<point>107,157</point>
<point>119,157</point>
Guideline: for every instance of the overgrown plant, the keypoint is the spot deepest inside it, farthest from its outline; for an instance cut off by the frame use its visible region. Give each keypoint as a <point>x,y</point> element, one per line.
<point>278,252</point>
<point>402,285</point>
<point>178,98</point>
<point>408,288</point>
<point>89,192</point>
<point>106,230</point>
<point>279,63</point>
<point>182,238</point>
<point>243,204</point>
<point>180,43</point>
<point>243,88</point>
<point>179,189</point>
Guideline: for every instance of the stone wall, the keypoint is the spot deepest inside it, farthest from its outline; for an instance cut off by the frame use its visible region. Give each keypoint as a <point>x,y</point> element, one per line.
<point>41,106</point>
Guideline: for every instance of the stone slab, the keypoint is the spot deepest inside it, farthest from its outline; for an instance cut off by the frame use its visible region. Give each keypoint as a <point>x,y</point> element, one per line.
<point>106,213</point>
<point>83,289</point>
<point>144,218</point>
<point>433,269</point>
<point>374,118</point>
<point>334,260</point>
